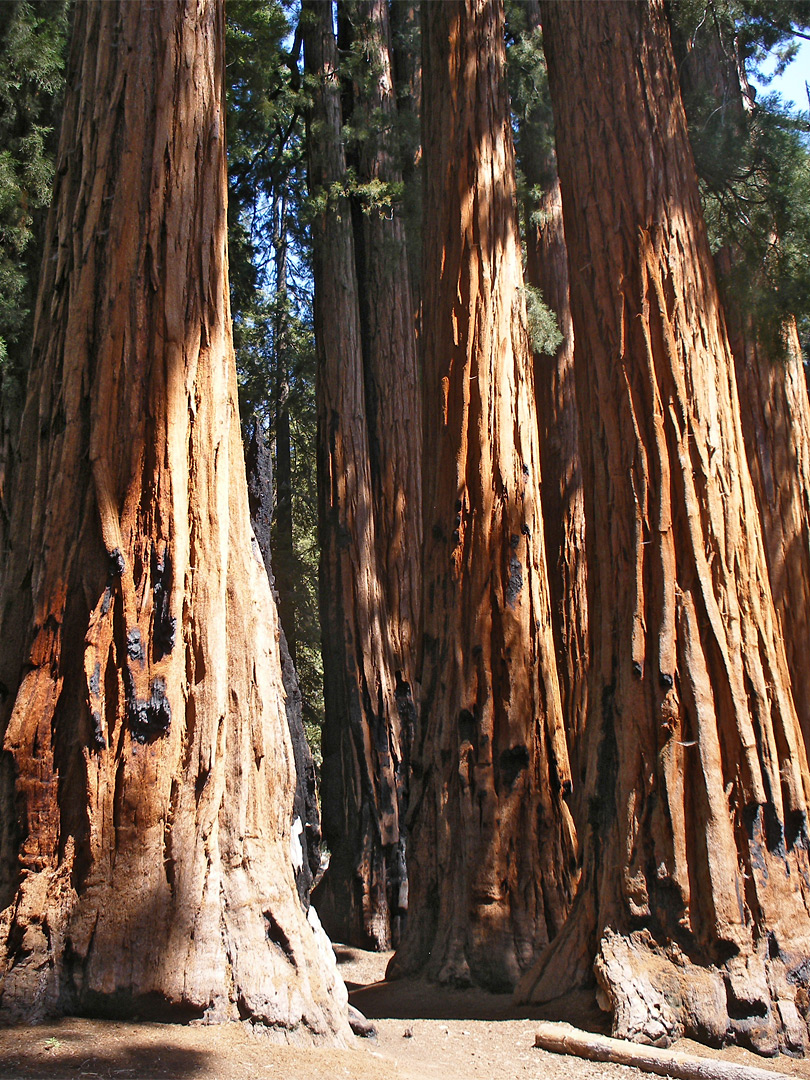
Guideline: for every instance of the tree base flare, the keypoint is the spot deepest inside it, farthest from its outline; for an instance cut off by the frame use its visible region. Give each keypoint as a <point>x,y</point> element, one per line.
<point>657,995</point>
<point>43,974</point>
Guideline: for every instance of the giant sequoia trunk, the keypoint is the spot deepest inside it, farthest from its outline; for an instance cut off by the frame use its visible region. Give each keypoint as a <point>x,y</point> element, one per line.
<point>558,420</point>
<point>693,904</point>
<point>773,396</point>
<point>491,851</point>
<point>145,726</point>
<point>364,759</point>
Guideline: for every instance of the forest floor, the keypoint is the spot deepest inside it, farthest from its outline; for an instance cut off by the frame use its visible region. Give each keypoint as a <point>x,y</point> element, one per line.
<point>424,1032</point>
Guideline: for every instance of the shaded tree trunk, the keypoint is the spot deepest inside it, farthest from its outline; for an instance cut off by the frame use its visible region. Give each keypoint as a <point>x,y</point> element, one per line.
<point>406,53</point>
<point>562,493</point>
<point>145,723</point>
<point>692,907</point>
<point>390,379</point>
<point>491,849</point>
<point>558,420</point>
<point>364,757</point>
<point>306,823</point>
<point>284,545</point>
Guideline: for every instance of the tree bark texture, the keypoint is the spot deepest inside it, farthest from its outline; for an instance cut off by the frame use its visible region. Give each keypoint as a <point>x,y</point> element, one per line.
<point>558,419</point>
<point>562,493</point>
<point>776,428</point>
<point>390,379</point>
<point>773,396</point>
<point>492,849</point>
<point>284,545</point>
<point>306,822</point>
<point>145,723</point>
<point>364,748</point>
<point>692,909</point>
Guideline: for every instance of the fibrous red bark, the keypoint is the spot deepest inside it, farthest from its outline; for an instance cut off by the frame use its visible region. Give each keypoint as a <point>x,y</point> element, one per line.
<point>491,850</point>
<point>364,754</point>
<point>693,905</point>
<point>145,723</point>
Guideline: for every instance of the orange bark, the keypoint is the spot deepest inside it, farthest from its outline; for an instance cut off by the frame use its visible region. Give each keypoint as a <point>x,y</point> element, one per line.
<point>693,905</point>
<point>145,722</point>
<point>491,852</point>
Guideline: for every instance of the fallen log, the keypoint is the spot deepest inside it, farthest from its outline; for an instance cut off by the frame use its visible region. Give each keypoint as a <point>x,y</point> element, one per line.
<point>565,1039</point>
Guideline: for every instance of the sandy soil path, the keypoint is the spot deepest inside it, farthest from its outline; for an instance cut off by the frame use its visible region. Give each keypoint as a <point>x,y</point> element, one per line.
<point>424,1032</point>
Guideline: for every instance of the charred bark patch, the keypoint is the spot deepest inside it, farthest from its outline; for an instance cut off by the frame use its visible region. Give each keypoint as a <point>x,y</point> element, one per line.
<point>164,624</point>
<point>150,716</point>
<point>511,764</point>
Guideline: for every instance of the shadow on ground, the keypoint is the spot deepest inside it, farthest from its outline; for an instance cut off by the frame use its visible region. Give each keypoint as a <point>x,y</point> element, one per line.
<point>57,1052</point>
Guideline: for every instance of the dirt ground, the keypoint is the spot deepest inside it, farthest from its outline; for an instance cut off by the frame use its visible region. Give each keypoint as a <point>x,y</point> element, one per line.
<point>424,1032</point>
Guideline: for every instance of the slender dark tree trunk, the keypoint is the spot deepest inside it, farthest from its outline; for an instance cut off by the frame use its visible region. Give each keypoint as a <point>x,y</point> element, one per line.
<point>144,724</point>
<point>284,546</point>
<point>364,746</point>
<point>491,852</point>
<point>693,904</point>
<point>390,376</point>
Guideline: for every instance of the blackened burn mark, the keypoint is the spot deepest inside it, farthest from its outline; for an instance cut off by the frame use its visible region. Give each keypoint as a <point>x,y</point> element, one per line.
<point>466,726</point>
<point>511,764</point>
<point>95,679</point>
<point>134,644</point>
<point>164,625</point>
<point>515,583</point>
<point>150,716</point>
<point>117,563</point>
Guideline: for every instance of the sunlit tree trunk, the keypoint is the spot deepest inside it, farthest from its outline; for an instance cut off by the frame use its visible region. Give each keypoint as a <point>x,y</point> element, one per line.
<point>144,723</point>
<point>693,905</point>
<point>364,753</point>
<point>770,377</point>
<point>491,849</point>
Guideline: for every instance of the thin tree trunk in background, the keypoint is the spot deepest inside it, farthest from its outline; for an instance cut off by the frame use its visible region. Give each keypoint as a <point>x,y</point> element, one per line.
<point>145,719</point>
<point>406,54</point>
<point>391,383</point>
<point>558,419</point>
<point>491,848</point>
<point>692,909</point>
<point>284,553</point>
<point>363,744</point>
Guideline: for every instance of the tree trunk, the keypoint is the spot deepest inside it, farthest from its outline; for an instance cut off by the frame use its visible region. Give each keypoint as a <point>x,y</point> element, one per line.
<point>692,907</point>
<point>562,494</point>
<point>391,382</point>
<point>306,822</point>
<point>773,396</point>
<point>284,545</point>
<point>407,74</point>
<point>364,757</point>
<point>776,427</point>
<point>491,849</point>
<point>145,722</point>
<point>558,419</point>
